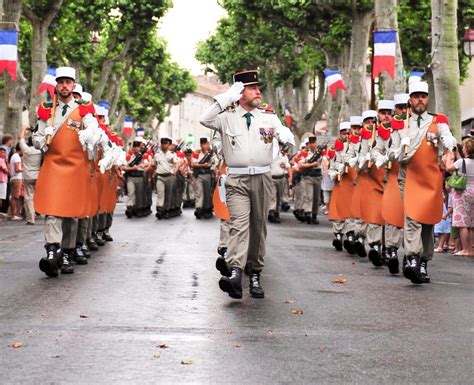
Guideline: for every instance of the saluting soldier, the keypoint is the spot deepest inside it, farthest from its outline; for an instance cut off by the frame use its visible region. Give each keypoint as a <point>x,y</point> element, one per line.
<point>247,145</point>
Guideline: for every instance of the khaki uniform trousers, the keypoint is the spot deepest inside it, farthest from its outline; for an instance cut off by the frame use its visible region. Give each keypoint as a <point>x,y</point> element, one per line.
<point>277,193</point>
<point>312,190</point>
<point>61,231</point>
<point>203,192</point>
<point>82,227</point>
<point>298,196</point>
<point>360,227</point>
<point>224,234</point>
<point>393,236</point>
<point>29,196</point>
<point>374,233</point>
<point>164,191</point>
<point>135,188</point>
<point>338,226</point>
<point>248,200</point>
<point>188,190</point>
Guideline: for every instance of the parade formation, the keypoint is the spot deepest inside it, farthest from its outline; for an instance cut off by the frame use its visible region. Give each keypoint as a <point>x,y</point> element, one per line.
<point>305,196</point>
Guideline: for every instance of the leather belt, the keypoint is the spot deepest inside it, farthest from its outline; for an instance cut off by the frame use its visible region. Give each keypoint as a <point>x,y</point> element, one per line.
<point>248,170</point>
<point>164,174</point>
<point>278,176</point>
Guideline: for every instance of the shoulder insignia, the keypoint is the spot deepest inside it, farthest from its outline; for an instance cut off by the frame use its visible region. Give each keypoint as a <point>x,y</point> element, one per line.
<point>365,134</point>
<point>338,145</point>
<point>384,131</point>
<point>441,118</point>
<point>195,155</point>
<point>86,108</point>
<point>44,110</point>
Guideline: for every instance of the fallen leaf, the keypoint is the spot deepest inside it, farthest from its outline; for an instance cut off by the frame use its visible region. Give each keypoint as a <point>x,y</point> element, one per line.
<point>16,345</point>
<point>163,346</point>
<point>290,301</point>
<point>157,355</point>
<point>237,346</point>
<point>339,280</point>
<point>83,316</point>
<point>297,311</point>
<point>322,349</point>
<point>186,362</point>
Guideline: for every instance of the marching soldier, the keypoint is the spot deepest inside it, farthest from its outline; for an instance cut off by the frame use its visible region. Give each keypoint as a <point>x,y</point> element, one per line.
<point>423,141</point>
<point>187,172</point>
<point>280,168</point>
<point>298,193</point>
<point>166,164</point>
<point>310,166</point>
<point>339,207</point>
<point>64,186</point>
<point>134,173</point>
<point>247,145</point>
<point>202,163</point>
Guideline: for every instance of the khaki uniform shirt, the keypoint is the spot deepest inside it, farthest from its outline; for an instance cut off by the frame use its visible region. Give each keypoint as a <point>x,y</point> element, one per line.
<point>165,162</point>
<point>242,146</point>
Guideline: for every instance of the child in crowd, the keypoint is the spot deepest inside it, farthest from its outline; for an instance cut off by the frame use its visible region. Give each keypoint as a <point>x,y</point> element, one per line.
<point>443,228</point>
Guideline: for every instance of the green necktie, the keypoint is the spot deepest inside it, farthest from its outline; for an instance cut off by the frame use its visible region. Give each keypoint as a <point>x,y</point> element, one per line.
<point>418,120</point>
<point>247,117</point>
<point>65,109</point>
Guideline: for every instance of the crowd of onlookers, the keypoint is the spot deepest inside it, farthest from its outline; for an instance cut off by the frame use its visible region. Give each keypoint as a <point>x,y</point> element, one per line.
<point>19,168</point>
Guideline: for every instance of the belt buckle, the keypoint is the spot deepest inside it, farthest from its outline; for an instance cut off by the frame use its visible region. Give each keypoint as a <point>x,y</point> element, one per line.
<point>251,170</point>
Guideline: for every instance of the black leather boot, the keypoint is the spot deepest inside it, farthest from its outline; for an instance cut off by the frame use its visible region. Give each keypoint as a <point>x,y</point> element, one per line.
<point>232,285</point>
<point>425,278</point>
<point>392,263</point>
<point>359,247</point>
<point>106,236</point>
<point>51,263</point>
<point>84,249</point>
<point>411,270</point>
<point>375,254</point>
<point>92,245</point>
<point>198,213</point>
<point>222,251</point>
<point>98,238</point>
<point>337,241</point>
<point>77,255</point>
<point>67,267</point>
<point>207,213</point>
<point>349,242</point>
<point>272,216</point>
<point>307,217</point>
<point>223,267</point>
<point>314,219</point>
<point>255,288</point>
<point>129,212</point>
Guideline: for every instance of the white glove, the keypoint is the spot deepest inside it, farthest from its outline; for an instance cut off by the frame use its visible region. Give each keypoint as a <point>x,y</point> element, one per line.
<point>448,141</point>
<point>381,160</point>
<point>332,174</point>
<point>352,162</point>
<point>340,168</point>
<point>48,131</point>
<point>285,135</point>
<point>221,188</point>
<point>86,137</point>
<point>106,162</point>
<point>233,94</point>
<point>405,142</point>
<point>368,157</point>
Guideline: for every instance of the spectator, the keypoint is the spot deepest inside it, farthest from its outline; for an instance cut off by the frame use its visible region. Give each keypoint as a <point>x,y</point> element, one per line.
<point>16,183</point>
<point>31,166</point>
<point>327,184</point>
<point>7,144</point>
<point>3,177</point>
<point>463,202</point>
<point>443,228</point>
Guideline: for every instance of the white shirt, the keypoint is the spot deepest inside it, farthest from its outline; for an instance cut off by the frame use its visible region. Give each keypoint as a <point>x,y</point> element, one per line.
<point>280,165</point>
<point>165,161</point>
<point>16,158</point>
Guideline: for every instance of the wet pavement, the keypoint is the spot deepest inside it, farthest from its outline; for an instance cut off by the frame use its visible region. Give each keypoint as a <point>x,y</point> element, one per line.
<point>147,310</point>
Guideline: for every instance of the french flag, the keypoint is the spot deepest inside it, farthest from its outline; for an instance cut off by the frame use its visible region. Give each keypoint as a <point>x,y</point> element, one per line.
<point>104,104</point>
<point>127,126</point>
<point>334,81</point>
<point>8,52</point>
<point>140,131</point>
<point>385,43</point>
<point>48,83</point>
<point>288,119</point>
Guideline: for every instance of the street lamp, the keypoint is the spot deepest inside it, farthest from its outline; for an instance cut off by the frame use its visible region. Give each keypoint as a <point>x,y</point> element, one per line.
<point>95,40</point>
<point>468,42</point>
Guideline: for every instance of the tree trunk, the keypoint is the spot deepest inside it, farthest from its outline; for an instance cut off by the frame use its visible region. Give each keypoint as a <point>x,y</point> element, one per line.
<point>357,96</point>
<point>318,108</point>
<point>445,62</point>
<point>386,17</point>
<point>15,94</point>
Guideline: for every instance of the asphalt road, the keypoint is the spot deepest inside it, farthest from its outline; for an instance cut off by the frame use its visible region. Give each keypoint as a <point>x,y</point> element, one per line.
<point>156,285</point>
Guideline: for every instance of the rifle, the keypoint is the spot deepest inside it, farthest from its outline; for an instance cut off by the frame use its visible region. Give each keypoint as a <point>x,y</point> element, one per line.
<point>319,151</point>
<point>138,158</point>
<point>206,158</point>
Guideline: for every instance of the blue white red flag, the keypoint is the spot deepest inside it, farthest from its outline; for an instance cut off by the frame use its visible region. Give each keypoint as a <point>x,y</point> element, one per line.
<point>140,131</point>
<point>48,83</point>
<point>385,44</point>
<point>334,81</point>
<point>9,52</point>
<point>104,104</point>
<point>288,119</point>
<point>127,126</point>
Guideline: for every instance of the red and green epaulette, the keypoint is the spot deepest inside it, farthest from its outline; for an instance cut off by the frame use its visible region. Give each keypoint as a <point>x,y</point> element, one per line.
<point>398,122</point>
<point>365,133</point>
<point>441,118</point>
<point>338,145</point>
<point>85,108</point>
<point>354,139</point>
<point>384,131</point>
<point>331,153</point>
<point>44,110</point>
<point>264,107</point>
